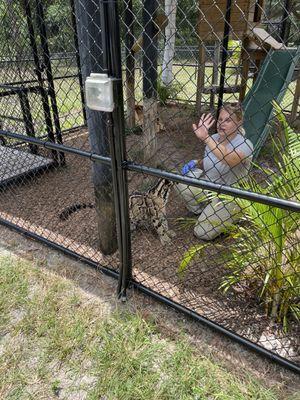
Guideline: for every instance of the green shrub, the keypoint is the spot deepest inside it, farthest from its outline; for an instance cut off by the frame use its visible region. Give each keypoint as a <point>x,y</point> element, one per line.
<point>165,93</point>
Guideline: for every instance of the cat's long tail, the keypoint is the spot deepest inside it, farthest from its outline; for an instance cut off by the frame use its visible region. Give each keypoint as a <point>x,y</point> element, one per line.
<point>67,212</point>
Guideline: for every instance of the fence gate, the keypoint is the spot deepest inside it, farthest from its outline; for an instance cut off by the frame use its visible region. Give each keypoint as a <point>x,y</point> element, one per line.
<point>200,214</point>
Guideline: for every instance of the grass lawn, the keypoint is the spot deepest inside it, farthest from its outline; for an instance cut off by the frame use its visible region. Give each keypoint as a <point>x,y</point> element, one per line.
<point>58,341</point>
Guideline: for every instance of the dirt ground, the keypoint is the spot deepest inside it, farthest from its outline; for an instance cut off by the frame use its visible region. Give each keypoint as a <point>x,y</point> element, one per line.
<point>170,323</point>
<point>37,204</point>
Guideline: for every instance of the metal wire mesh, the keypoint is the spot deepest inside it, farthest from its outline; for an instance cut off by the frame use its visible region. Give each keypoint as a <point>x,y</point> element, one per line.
<point>189,69</point>
<point>44,191</point>
<point>215,255</point>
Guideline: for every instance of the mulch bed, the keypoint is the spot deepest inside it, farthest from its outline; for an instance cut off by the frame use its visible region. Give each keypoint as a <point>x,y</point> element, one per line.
<point>37,203</point>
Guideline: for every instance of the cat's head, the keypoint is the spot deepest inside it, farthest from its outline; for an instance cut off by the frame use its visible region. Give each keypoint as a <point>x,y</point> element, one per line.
<point>162,188</point>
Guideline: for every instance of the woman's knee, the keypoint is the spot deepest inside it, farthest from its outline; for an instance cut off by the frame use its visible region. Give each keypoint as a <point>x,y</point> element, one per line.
<point>214,220</point>
<point>206,231</point>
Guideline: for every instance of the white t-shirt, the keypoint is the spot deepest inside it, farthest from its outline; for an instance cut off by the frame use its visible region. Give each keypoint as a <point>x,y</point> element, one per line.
<point>219,171</point>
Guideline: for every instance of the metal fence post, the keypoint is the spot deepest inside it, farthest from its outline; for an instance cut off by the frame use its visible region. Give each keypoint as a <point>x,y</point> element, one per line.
<point>47,61</point>
<point>38,72</point>
<point>73,15</point>
<point>119,142</point>
<point>224,52</point>
<point>113,122</point>
<point>29,126</point>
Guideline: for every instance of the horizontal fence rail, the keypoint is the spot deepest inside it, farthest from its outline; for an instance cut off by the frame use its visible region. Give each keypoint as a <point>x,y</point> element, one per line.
<point>130,166</point>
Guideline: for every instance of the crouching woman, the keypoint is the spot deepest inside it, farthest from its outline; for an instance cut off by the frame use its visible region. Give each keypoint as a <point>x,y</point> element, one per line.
<point>227,159</point>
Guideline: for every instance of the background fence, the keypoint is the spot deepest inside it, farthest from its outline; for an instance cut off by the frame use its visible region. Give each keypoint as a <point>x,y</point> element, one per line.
<point>109,187</point>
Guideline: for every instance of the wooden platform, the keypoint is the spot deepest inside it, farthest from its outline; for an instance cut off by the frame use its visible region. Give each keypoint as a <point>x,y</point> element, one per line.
<point>17,164</point>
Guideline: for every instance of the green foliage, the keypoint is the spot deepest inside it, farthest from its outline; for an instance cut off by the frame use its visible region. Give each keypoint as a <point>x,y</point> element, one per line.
<point>265,255</point>
<point>185,223</point>
<point>14,35</point>
<point>235,47</point>
<point>59,26</point>
<point>167,92</point>
<point>265,258</point>
<point>186,23</point>
<point>271,243</point>
<point>14,38</point>
<point>188,257</point>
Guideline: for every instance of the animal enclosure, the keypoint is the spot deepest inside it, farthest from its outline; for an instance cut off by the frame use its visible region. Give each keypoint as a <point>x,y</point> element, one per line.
<point>103,187</point>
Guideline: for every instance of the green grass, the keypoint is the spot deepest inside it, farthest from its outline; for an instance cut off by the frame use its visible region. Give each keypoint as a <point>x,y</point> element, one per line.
<point>58,342</point>
<point>186,78</point>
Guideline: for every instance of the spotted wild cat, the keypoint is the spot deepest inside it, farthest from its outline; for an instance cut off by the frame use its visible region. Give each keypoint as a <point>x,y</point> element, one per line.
<point>147,210</point>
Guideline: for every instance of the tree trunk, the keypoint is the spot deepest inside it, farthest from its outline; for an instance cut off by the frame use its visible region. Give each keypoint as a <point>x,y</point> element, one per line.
<point>150,53</point>
<point>200,77</point>
<point>170,33</point>
<point>88,18</point>
<point>215,74</point>
<point>149,128</point>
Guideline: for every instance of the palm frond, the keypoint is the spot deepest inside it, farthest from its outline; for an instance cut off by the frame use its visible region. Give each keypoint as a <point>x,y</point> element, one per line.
<point>186,223</point>
<point>189,256</point>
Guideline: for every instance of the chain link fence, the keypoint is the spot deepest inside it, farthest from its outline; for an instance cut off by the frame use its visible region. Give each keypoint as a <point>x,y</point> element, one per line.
<point>190,189</point>
<point>43,122</point>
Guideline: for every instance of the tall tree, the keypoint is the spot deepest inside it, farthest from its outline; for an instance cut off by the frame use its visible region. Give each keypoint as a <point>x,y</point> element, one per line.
<point>150,53</point>
<point>170,33</point>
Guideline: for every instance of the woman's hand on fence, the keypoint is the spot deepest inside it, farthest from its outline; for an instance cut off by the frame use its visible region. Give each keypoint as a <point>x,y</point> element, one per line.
<point>205,123</point>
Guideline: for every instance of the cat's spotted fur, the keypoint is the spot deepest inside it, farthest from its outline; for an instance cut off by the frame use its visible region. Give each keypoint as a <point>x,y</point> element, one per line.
<point>147,210</point>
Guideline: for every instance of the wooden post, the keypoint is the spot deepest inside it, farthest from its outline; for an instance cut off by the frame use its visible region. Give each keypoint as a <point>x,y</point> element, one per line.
<point>150,54</point>
<point>256,18</point>
<point>200,77</point>
<point>215,74</point>
<point>296,101</point>
<point>130,63</point>
<point>245,60</point>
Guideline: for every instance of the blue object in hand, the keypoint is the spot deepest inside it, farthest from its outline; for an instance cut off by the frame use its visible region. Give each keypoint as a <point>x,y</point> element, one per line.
<point>189,167</point>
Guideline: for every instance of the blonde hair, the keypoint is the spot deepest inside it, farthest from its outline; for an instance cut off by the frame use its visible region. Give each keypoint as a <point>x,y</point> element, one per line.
<point>237,110</point>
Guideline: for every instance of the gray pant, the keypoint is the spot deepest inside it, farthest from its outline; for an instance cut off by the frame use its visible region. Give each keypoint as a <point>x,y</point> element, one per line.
<point>215,216</point>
